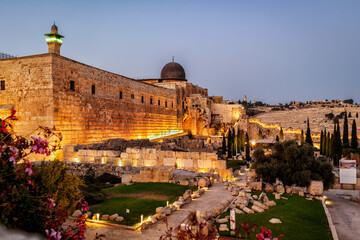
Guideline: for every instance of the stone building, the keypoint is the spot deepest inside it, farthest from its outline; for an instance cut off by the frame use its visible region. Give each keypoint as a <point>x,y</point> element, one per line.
<point>87,104</point>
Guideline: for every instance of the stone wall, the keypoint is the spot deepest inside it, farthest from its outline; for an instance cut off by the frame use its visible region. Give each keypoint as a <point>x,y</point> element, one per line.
<point>230,113</point>
<point>193,161</point>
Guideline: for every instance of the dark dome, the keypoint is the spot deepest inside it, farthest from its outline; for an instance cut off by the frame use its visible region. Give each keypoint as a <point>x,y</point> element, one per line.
<point>173,70</point>
<point>54,27</point>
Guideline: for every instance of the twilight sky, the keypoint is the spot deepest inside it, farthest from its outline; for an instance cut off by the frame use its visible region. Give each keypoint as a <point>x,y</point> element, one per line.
<point>272,51</point>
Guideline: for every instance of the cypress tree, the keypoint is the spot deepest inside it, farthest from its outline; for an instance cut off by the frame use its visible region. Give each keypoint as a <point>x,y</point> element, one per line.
<point>349,115</point>
<point>229,144</point>
<point>234,142</point>
<point>277,138</point>
<point>302,137</point>
<point>354,139</point>
<point>242,140</point>
<point>357,115</point>
<point>308,134</point>
<point>260,134</point>
<point>223,144</point>
<point>321,142</point>
<point>247,144</point>
<point>337,146</point>
<point>331,143</point>
<point>328,141</point>
<point>346,133</point>
<point>281,134</point>
<point>238,140</point>
<point>324,142</point>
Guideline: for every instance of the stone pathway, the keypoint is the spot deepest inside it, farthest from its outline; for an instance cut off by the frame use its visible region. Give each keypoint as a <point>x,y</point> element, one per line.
<point>207,202</point>
<point>345,214</point>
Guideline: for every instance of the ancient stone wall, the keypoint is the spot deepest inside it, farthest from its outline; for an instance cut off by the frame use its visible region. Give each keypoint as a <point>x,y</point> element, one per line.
<point>117,107</point>
<point>28,90</point>
<point>230,112</point>
<point>145,157</point>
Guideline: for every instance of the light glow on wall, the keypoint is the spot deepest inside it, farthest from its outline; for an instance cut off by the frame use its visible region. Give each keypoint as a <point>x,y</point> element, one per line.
<point>54,39</point>
<point>164,134</point>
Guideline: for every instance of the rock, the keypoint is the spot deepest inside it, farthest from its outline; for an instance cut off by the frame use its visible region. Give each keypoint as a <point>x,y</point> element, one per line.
<point>202,182</point>
<point>87,215</point>
<point>184,182</point>
<point>187,199</point>
<point>223,227</point>
<point>77,213</point>
<point>242,193</point>
<point>275,220</point>
<point>167,210</point>
<point>225,187</point>
<point>265,199</point>
<point>238,211</point>
<point>232,206</point>
<point>178,204</point>
<point>226,183</point>
<point>222,220</point>
<point>159,210</point>
<point>173,207</point>
<point>144,225</point>
<point>235,192</point>
<point>270,203</point>
<point>152,219</point>
<point>225,203</point>
<point>280,189</point>
<point>248,210</point>
<point>288,190</point>
<point>196,194</point>
<point>316,188</point>
<point>119,219</point>
<point>255,197</point>
<point>284,198</point>
<point>241,203</point>
<point>105,217</point>
<point>230,188</point>
<point>268,187</point>
<point>96,216</point>
<point>296,190</point>
<point>187,193</point>
<point>259,204</point>
<point>301,193</point>
<point>217,211</point>
<point>262,195</point>
<point>181,199</point>
<point>256,186</point>
<point>257,209</point>
<point>277,196</point>
<point>113,217</point>
<point>309,198</point>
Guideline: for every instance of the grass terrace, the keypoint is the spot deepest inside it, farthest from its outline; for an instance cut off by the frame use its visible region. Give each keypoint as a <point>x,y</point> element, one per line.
<point>301,219</point>
<point>140,198</point>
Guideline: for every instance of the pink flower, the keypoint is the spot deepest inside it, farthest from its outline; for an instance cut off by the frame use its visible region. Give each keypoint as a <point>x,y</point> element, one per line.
<point>13,155</point>
<point>53,234</point>
<point>3,127</point>
<point>51,203</point>
<point>28,169</point>
<point>40,146</point>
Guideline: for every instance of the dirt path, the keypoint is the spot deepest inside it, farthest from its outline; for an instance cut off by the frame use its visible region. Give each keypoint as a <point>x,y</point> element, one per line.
<point>207,202</point>
<point>345,214</point>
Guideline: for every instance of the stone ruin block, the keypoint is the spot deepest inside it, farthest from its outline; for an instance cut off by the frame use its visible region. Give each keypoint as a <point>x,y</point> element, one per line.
<point>169,162</point>
<point>204,164</point>
<point>160,154</point>
<point>151,163</point>
<point>86,159</point>
<point>188,164</point>
<point>195,155</point>
<point>218,164</point>
<point>212,156</point>
<point>195,163</point>
<point>179,155</point>
<point>316,188</point>
<point>226,174</point>
<point>126,178</point>
<point>203,156</point>
<point>68,149</point>
<point>82,152</point>
<point>110,153</point>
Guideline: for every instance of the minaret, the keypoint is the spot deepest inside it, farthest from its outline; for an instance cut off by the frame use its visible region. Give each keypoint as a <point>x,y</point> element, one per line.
<point>245,99</point>
<point>54,40</point>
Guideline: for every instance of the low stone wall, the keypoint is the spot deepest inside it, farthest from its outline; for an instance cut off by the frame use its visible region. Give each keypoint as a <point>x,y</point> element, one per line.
<point>145,157</point>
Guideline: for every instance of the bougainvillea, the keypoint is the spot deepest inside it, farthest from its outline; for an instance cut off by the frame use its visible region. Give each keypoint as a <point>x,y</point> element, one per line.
<point>27,201</point>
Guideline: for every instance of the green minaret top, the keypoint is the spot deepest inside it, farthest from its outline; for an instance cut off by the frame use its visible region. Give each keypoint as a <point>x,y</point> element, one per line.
<point>54,40</point>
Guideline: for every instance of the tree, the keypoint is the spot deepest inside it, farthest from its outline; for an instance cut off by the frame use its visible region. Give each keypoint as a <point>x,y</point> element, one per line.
<point>349,115</point>
<point>349,101</point>
<point>337,146</point>
<point>277,138</point>
<point>324,141</point>
<point>357,115</point>
<point>321,142</point>
<point>247,144</point>
<point>238,140</point>
<point>242,137</point>
<point>346,133</point>
<point>354,139</point>
<point>302,137</point>
<point>229,144</point>
<point>308,134</point>
<point>234,142</point>
<point>223,145</point>
<point>281,134</point>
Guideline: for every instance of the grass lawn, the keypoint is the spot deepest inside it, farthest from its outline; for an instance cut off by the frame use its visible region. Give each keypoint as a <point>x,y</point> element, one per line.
<point>138,206</point>
<point>235,164</point>
<point>301,219</point>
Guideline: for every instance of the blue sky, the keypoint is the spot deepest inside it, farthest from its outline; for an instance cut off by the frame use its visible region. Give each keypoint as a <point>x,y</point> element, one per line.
<point>272,51</point>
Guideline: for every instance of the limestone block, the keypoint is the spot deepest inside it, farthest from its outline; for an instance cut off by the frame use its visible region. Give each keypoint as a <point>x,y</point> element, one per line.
<point>113,217</point>
<point>357,185</point>
<point>187,193</point>
<point>152,219</point>
<point>259,204</point>
<point>188,164</point>
<point>195,155</point>
<point>316,188</point>
<point>222,220</point>
<point>206,164</point>
<point>167,210</point>
<point>169,162</point>
<point>179,155</point>
<point>105,217</point>
<point>257,209</point>
<point>223,227</point>
<point>82,152</point>
<point>226,173</point>
<point>288,189</point>
<point>201,182</point>
<point>268,187</point>
<point>159,210</point>
<point>248,210</point>
<point>225,202</point>
<point>203,156</point>
<point>178,204</point>
<point>270,203</point>
<point>184,182</point>
<point>262,195</point>
<point>126,178</point>
<point>296,190</point>
<point>111,153</point>
<point>218,164</point>
<point>124,155</point>
<point>128,150</point>
<point>235,192</point>
<point>232,206</point>
<point>217,211</point>
<point>252,173</point>
<point>212,156</point>
<point>277,196</point>
<point>150,163</point>
<point>280,188</point>
<point>238,211</point>
<point>275,221</point>
<point>301,193</point>
<point>256,186</point>
<point>230,188</point>
<point>77,213</point>
<point>68,149</point>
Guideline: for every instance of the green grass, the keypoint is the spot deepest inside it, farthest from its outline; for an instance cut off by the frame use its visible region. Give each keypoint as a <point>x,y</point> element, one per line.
<point>138,206</point>
<point>301,219</point>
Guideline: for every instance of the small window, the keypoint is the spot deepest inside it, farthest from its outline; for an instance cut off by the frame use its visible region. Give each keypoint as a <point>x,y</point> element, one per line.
<point>172,105</point>
<point>93,89</point>
<point>2,85</point>
<point>165,103</point>
<point>142,99</point>
<point>120,94</point>
<point>151,101</point>
<point>72,85</point>
<point>158,102</point>
<point>132,96</point>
